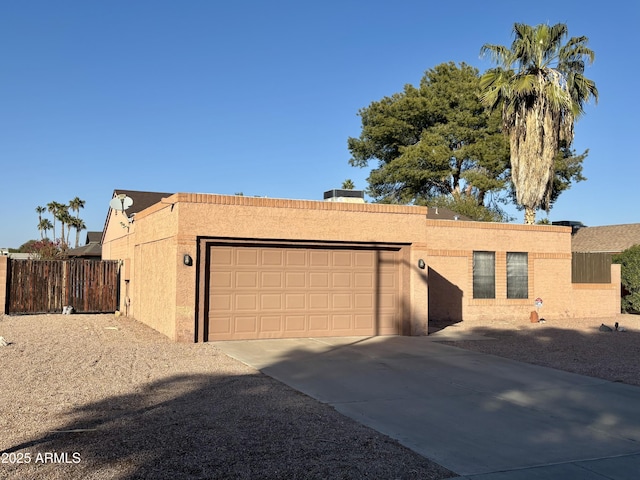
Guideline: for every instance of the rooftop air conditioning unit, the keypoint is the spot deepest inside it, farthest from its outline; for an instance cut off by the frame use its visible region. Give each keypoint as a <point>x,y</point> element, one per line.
<point>347,196</point>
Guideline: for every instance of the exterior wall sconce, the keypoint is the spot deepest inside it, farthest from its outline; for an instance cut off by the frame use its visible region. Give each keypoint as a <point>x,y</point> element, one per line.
<point>187,260</point>
<point>421,264</point>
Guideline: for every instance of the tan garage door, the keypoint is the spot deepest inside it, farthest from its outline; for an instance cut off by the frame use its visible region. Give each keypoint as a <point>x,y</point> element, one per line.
<point>281,292</point>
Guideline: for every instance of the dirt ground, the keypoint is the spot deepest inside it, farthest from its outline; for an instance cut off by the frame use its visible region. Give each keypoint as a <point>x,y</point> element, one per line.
<point>105,397</point>
<point>572,345</point>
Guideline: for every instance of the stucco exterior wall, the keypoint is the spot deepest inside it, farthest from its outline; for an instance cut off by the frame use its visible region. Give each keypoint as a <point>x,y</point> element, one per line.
<point>163,287</point>
<point>186,217</point>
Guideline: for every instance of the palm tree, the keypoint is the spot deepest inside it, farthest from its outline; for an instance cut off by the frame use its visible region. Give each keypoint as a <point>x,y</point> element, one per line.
<point>40,211</point>
<point>79,225</point>
<point>54,207</point>
<point>348,184</point>
<point>62,214</point>
<point>540,87</point>
<point>76,204</point>
<point>44,226</point>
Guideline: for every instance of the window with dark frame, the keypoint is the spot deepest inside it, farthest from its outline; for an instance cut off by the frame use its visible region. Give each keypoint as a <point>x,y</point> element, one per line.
<point>484,274</point>
<point>517,275</point>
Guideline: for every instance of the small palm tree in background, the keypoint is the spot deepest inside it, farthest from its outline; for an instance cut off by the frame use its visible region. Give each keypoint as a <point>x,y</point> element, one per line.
<point>348,184</point>
<point>75,205</point>
<point>54,208</point>
<point>79,225</point>
<point>44,226</point>
<point>40,210</point>
<point>540,86</point>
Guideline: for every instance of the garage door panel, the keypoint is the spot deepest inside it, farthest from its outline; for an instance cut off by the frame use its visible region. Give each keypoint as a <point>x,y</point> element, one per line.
<point>222,256</point>
<point>220,325</point>
<point>295,301</point>
<point>387,279</point>
<point>279,292</point>
<point>364,259</point>
<point>341,322</point>
<point>363,280</point>
<point>247,256</point>
<point>271,324</point>
<point>341,301</point>
<point>294,323</point>
<point>318,258</point>
<point>271,279</point>
<point>342,259</point>
<point>295,280</point>
<point>387,301</point>
<point>246,324</point>
<point>389,324</point>
<point>340,279</point>
<point>272,257</point>
<point>221,302</point>
<point>221,279</point>
<point>318,323</point>
<point>363,322</point>
<point>246,279</point>
<point>318,301</point>
<point>246,301</point>
<point>296,258</point>
<point>363,301</point>
<point>319,279</point>
<point>271,301</point>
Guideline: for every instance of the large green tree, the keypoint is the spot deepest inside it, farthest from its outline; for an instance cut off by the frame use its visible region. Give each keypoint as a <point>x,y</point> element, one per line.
<point>432,141</point>
<point>540,89</point>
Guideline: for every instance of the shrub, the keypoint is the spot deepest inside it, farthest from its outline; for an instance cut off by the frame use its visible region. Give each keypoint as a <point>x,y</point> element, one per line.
<point>630,278</point>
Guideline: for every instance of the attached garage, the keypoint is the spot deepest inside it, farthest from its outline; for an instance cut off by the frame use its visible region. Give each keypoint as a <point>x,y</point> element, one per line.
<point>257,290</point>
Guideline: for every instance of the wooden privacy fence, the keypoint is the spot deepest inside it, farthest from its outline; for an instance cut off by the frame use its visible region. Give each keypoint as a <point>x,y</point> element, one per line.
<point>46,286</point>
<point>591,267</point>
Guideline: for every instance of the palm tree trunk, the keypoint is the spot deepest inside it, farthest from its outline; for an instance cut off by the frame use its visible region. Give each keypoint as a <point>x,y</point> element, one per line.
<point>529,215</point>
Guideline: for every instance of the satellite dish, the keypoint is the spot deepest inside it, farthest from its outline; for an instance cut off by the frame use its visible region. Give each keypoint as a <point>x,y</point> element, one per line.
<point>121,202</point>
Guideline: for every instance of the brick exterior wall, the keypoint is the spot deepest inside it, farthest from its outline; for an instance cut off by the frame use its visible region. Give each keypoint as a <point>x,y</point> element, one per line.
<point>161,290</point>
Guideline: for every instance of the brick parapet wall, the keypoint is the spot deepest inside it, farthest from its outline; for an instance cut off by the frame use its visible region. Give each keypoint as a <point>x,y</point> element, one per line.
<point>281,203</point>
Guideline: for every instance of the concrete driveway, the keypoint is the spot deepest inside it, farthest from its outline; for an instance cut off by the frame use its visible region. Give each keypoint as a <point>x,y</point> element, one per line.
<point>482,416</point>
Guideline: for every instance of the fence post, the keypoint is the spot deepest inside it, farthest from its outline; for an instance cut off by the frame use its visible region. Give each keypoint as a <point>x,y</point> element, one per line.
<point>4,283</point>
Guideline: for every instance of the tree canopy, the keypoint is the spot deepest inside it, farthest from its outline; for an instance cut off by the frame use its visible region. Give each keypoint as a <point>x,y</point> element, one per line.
<point>432,141</point>
<point>438,144</point>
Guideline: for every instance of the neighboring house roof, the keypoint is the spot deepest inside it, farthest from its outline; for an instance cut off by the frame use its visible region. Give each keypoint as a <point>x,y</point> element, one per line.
<point>608,238</point>
<point>141,200</point>
<point>91,250</point>
<point>441,213</point>
<point>93,237</point>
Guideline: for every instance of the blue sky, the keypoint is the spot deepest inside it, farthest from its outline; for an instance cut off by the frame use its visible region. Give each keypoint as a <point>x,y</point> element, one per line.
<point>260,97</point>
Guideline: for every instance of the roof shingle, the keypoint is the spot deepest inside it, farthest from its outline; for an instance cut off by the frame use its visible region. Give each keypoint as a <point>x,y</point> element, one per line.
<point>608,238</point>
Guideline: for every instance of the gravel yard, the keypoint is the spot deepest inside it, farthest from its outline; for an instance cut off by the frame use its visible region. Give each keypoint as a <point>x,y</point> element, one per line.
<point>105,397</point>
<point>572,345</point>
